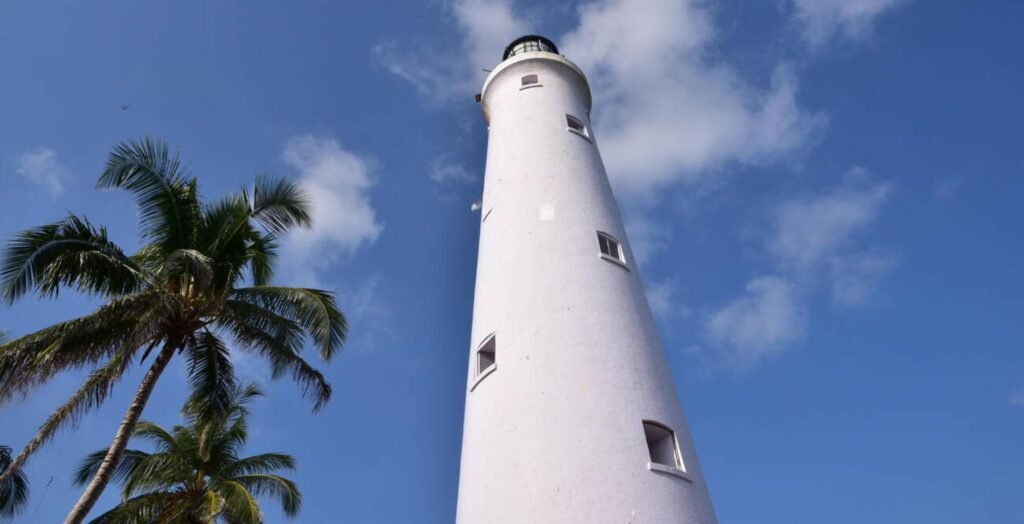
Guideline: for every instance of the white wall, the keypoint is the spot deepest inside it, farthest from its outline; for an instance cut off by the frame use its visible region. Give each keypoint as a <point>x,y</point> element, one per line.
<point>555,434</point>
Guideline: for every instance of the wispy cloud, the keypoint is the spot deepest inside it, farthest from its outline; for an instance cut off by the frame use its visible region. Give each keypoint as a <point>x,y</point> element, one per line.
<point>339,184</point>
<point>368,313</point>
<point>821,21</point>
<point>813,228</point>
<point>441,73</point>
<point>444,171</point>
<point>41,167</point>
<point>1017,398</point>
<point>765,320</point>
<point>813,239</point>
<point>669,112</point>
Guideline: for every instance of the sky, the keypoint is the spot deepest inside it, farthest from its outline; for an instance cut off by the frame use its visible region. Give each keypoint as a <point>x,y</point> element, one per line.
<point>823,196</point>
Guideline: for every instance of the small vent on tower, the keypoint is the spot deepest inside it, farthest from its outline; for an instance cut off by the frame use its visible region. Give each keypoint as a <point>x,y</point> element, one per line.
<point>577,126</point>
<point>530,80</point>
<point>663,448</point>
<point>486,356</point>
<point>610,248</point>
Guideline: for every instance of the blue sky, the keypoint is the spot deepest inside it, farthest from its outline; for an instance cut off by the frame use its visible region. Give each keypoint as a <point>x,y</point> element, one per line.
<point>825,195</point>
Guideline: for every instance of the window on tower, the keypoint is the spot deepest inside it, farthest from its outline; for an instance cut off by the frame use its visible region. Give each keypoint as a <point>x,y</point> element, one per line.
<point>663,449</point>
<point>577,126</point>
<point>486,356</point>
<point>530,80</point>
<point>610,249</point>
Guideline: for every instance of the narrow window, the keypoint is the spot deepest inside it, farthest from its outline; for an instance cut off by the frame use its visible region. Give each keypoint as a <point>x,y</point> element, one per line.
<point>529,80</point>
<point>576,125</point>
<point>661,442</point>
<point>485,356</point>
<point>487,214</point>
<point>610,248</point>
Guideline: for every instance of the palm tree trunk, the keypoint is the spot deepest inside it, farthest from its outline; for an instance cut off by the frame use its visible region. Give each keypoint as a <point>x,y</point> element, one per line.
<point>117,446</point>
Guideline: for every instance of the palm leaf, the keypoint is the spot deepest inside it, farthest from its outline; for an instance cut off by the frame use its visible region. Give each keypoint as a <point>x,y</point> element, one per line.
<point>165,193</point>
<point>211,376</point>
<point>71,253</point>
<point>13,490</point>
<point>91,463</point>
<point>315,310</point>
<point>123,323</point>
<point>273,486</point>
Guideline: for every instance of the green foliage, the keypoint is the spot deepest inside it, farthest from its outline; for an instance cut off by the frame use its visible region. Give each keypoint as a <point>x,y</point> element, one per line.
<point>196,472</point>
<point>199,285</point>
<point>14,490</point>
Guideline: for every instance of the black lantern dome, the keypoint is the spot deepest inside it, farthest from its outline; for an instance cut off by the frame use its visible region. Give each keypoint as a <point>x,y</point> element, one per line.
<point>529,43</point>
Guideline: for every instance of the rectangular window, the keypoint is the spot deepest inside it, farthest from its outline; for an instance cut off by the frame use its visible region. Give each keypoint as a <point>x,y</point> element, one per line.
<point>486,356</point>
<point>662,445</point>
<point>576,125</point>
<point>530,80</point>
<point>610,248</point>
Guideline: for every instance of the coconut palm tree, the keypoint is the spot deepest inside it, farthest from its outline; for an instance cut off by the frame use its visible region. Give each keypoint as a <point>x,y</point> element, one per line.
<point>196,474</point>
<point>202,275</point>
<point>14,489</point>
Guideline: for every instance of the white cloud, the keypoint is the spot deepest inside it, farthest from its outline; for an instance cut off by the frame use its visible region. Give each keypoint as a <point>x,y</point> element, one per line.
<point>443,171</point>
<point>485,28</point>
<point>368,314</point>
<point>821,20</point>
<point>854,277</point>
<point>665,111</point>
<point>646,235</point>
<point>1017,398</point>
<point>813,238</point>
<point>339,183</point>
<point>662,296</point>
<point>41,167</point>
<point>765,321</point>
<point>811,229</point>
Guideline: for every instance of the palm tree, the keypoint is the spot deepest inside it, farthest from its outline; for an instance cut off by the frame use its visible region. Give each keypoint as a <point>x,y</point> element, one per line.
<point>14,489</point>
<point>196,474</point>
<point>202,275</point>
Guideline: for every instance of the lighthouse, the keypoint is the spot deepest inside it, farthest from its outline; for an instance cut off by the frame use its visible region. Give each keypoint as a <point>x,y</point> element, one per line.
<point>571,412</point>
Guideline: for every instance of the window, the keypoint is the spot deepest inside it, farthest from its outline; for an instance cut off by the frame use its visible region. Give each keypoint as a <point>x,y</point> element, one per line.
<point>577,126</point>
<point>610,248</point>
<point>485,356</point>
<point>530,80</point>
<point>663,447</point>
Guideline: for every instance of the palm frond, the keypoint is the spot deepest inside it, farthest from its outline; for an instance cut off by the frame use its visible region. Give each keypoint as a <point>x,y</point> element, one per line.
<point>262,253</point>
<point>264,485</point>
<point>211,376</point>
<point>189,267</point>
<point>14,489</point>
<point>90,395</point>
<point>166,195</point>
<point>143,509</point>
<point>123,323</point>
<point>70,252</point>
<point>279,204</point>
<point>315,310</point>
<point>239,504</point>
<point>91,463</point>
<point>164,441</point>
<point>259,464</point>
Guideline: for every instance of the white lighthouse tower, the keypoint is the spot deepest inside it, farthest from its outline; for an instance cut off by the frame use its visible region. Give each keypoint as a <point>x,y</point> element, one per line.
<point>571,414</point>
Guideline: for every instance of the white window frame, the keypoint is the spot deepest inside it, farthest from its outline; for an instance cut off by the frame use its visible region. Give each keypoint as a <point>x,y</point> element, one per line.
<point>577,126</point>
<point>677,469</point>
<point>524,85</point>
<point>482,373</point>
<point>618,258</point>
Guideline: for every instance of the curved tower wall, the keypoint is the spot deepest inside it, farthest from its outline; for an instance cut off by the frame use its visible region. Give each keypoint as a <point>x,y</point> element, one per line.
<point>554,431</point>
